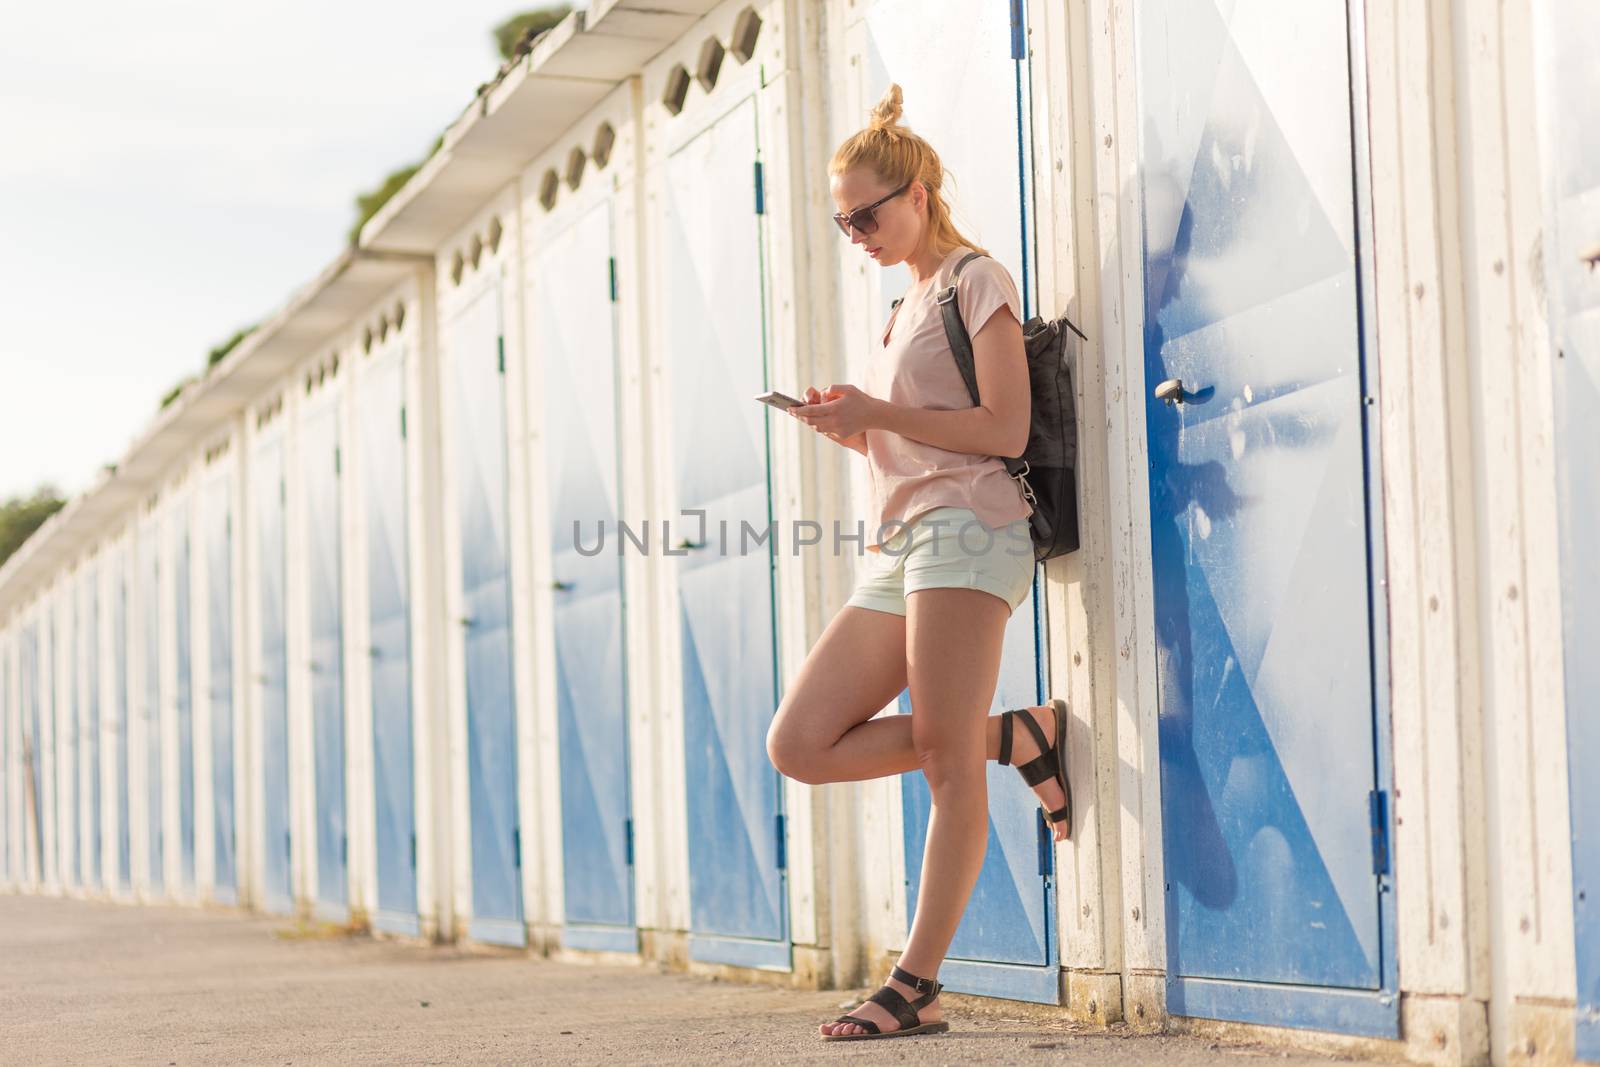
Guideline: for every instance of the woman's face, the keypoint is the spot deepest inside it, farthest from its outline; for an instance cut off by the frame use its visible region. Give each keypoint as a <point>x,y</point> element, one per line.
<point>900,219</point>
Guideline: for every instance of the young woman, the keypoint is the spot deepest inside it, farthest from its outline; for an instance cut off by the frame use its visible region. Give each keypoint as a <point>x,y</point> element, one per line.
<point>954,559</point>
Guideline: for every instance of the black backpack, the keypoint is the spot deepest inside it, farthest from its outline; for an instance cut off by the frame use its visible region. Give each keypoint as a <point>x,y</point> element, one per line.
<point>1047,468</point>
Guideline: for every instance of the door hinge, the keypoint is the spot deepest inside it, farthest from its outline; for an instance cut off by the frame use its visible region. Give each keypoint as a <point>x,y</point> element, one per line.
<point>344,851</point>
<point>783,845</point>
<point>500,347</point>
<point>402,420</point>
<point>613,269</point>
<point>288,845</point>
<point>516,846</point>
<point>627,840</point>
<point>1378,811</point>
<point>761,193</point>
<point>413,852</point>
<point>337,461</point>
<point>1018,48</point>
<point>283,491</point>
<point>227,525</point>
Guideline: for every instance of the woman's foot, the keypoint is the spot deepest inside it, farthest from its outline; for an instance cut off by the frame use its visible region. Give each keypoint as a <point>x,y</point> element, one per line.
<point>876,1013</point>
<point>1025,747</point>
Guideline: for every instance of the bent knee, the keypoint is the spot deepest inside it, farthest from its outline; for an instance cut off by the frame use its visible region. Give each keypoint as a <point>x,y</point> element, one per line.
<point>945,762</point>
<point>792,754</point>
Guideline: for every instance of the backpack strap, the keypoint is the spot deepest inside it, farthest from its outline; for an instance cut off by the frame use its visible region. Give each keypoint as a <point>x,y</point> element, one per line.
<point>955,330</point>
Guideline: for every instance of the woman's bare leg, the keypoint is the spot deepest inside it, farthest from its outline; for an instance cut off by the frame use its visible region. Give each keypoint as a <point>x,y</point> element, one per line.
<point>824,730</point>
<point>953,643</point>
<point>821,732</point>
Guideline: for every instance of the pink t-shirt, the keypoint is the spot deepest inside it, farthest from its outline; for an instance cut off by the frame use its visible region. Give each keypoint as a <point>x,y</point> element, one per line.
<point>912,365</point>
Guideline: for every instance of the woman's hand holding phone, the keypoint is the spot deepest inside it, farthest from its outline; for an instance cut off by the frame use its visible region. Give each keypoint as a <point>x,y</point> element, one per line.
<point>841,412</point>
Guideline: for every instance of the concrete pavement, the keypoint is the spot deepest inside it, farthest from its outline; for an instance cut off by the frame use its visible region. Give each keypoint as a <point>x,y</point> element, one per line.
<point>88,983</point>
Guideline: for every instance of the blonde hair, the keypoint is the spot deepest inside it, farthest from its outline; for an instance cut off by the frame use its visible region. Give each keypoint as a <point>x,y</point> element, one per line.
<point>898,156</point>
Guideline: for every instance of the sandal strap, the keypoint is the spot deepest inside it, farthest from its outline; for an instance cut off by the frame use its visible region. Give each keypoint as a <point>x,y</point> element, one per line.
<point>889,999</point>
<point>866,1024</point>
<point>1037,731</point>
<point>1039,769</point>
<point>1005,738</point>
<point>928,987</point>
<point>1063,814</point>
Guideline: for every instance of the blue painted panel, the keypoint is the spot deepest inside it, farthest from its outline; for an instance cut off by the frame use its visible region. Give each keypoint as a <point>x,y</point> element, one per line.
<point>33,751</point>
<point>476,346</point>
<point>91,662</point>
<point>1347,1011</point>
<point>578,351</point>
<point>1259,510</point>
<point>600,938</point>
<point>321,459</point>
<point>183,700</point>
<point>276,889</point>
<point>119,652</point>
<point>66,737</point>
<point>714,289</point>
<point>389,615</point>
<point>1570,85</point>
<point>755,953</point>
<point>155,824</point>
<point>219,616</point>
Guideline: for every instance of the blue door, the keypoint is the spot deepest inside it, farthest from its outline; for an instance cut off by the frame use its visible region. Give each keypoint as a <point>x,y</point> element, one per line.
<point>123,878</point>
<point>1262,534</point>
<point>33,754</point>
<point>67,828</point>
<point>575,293</point>
<point>714,301</point>
<point>183,701</point>
<point>383,431</point>
<point>1568,31</point>
<point>476,346</point>
<point>219,617</point>
<point>150,576</point>
<point>320,455</point>
<point>1005,944</point>
<point>277,893</point>
<point>91,736</point>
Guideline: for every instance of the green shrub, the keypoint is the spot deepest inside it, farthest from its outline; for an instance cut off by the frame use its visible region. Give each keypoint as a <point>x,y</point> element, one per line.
<point>21,515</point>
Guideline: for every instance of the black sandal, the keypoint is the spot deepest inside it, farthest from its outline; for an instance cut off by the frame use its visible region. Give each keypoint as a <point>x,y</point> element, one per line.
<point>905,1012</point>
<point>1051,762</point>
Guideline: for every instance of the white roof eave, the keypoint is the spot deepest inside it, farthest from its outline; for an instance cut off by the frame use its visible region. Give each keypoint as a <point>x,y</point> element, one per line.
<point>570,70</point>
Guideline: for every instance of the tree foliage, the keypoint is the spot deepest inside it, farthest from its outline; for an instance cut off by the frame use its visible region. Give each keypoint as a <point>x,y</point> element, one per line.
<point>176,391</point>
<point>21,515</point>
<point>220,352</point>
<point>512,38</point>
<point>516,34</point>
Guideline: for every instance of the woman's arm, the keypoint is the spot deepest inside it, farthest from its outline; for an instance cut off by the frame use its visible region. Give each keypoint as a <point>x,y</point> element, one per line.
<point>997,427</point>
<point>857,442</point>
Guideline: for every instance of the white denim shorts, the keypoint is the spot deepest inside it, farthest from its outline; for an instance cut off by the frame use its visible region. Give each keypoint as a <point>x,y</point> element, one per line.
<point>948,548</point>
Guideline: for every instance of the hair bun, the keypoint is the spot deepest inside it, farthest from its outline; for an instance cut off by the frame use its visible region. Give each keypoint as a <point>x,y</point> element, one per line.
<point>886,114</point>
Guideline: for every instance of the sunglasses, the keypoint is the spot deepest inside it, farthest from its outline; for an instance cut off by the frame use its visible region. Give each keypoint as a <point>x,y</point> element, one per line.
<point>863,219</point>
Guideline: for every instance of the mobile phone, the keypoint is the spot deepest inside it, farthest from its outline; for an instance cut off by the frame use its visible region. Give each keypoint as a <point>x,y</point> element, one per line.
<point>781,401</point>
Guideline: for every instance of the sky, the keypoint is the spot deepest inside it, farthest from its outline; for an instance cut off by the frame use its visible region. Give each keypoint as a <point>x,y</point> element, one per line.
<point>173,170</point>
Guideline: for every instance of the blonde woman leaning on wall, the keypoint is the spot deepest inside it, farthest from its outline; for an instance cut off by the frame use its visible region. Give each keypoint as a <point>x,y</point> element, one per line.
<point>953,559</point>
